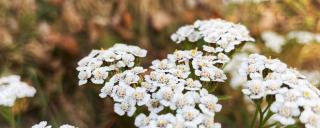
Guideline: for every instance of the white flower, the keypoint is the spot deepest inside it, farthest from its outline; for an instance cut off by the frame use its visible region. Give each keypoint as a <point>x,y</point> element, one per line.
<point>308,98</point>
<point>84,75</point>
<point>127,106</point>
<point>180,100</point>
<point>190,117</point>
<point>149,86</point>
<point>284,113</point>
<point>222,58</point>
<point>164,65</point>
<point>203,61</point>
<point>232,67</point>
<point>204,74</point>
<point>154,106</point>
<point>316,107</point>
<point>253,66</point>
<point>140,96</point>
<point>226,34</point>
<point>208,105</point>
<point>127,61</point>
<point>288,96</point>
<point>99,75</point>
<point>272,86</point>
<point>302,37</point>
<point>164,121</point>
<point>194,95</point>
<point>310,119</point>
<point>106,90</point>
<point>193,84</point>
<point>120,92</point>
<point>273,41</point>
<point>182,33</point>
<point>165,96</point>
<point>67,126</point>
<point>99,63</point>
<point>255,89</point>
<point>109,56</point>
<point>129,78</point>
<point>208,122</point>
<point>290,79</point>
<point>142,121</point>
<point>12,88</point>
<point>209,49</point>
<point>275,65</point>
<point>218,75</point>
<point>42,124</point>
<point>138,51</point>
<point>181,71</point>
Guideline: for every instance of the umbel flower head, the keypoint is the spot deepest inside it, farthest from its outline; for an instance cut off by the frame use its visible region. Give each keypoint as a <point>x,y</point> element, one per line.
<point>12,88</point>
<point>176,90</point>
<point>295,97</point>
<point>224,35</point>
<point>97,65</point>
<point>175,82</point>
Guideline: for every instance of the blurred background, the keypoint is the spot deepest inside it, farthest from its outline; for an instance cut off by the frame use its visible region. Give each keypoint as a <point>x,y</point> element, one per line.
<point>42,40</point>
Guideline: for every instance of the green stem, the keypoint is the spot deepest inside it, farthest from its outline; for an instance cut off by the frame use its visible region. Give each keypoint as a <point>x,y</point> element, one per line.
<point>261,115</point>
<point>267,108</point>
<point>268,116</point>
<point>254,119</point>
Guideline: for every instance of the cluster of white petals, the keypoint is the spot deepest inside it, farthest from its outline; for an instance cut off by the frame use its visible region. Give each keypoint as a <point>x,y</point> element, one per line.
<point>97,65</point>
<point>44,124</point>
<point>223,34</point>
<point>176,90</point>
<point>175,84</point>
<point>295,97</point>
<point>304,37</point>
<point>273,41</point>
<point>12,88</point>
<point>236,80</point>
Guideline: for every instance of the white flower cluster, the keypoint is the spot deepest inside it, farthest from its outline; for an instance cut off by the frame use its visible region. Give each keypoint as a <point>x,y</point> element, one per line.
<point>273,41</point>
<point>171,85</point>
<point>97,65</point>
<point>236,80</point>
<point>12,88</point>
<point>44,124</point>
<point>294,95</point>
<point>176,89</point>
<point>304,37</point>
<point>224,35</point>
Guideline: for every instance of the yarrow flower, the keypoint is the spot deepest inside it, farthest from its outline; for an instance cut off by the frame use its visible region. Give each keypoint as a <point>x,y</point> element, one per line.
<point>225,35</point>
<point>99,63</point>
<point>236,80</point>
<point>44,124</point>
<point>169,84</point>
<point>294,96</point>
<point>303,37</point>
<point>11,88</point>
<point>273,41</point>
<point>177,83</point>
